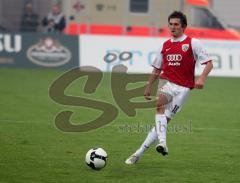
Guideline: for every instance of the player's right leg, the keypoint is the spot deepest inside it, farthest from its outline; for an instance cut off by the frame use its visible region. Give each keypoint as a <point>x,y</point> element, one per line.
<point>151,137</point>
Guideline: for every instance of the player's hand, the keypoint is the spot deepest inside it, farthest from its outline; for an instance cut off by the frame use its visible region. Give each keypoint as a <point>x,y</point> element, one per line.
<point>199,84</point>
<point>147,93</point>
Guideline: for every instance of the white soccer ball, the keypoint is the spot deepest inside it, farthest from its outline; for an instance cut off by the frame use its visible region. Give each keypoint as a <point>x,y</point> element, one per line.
<point>96,158</point>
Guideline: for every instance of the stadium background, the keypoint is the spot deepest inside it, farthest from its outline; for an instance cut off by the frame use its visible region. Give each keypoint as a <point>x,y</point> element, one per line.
<point>11,11</point>
<point>203,138</point>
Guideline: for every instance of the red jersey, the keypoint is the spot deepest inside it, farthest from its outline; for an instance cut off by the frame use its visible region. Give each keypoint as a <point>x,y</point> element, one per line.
<point>178,62</point>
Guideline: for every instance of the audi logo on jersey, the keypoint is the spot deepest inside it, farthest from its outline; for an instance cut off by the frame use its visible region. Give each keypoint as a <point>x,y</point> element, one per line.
<point>174,57</point>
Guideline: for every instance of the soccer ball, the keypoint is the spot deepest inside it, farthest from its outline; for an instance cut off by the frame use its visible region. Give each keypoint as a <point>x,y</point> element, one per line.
<point>96,158</point>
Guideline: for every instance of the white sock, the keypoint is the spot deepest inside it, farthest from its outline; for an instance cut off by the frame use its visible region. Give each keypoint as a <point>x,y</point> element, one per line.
<point>151,137</point>
<point>161,127</point>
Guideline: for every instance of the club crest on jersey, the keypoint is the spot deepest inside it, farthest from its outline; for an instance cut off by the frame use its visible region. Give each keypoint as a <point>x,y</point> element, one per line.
<point>185,47</point>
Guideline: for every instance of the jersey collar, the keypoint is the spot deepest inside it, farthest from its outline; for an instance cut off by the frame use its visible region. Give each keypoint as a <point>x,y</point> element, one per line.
<point>179,39</point>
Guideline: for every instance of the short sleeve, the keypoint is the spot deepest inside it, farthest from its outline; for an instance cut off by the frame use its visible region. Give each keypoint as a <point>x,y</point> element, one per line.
<point>200,53</point>
<point>157,63</point>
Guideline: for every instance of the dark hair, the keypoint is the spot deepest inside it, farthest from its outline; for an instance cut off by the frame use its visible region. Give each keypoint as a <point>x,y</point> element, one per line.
<point>181,16</point>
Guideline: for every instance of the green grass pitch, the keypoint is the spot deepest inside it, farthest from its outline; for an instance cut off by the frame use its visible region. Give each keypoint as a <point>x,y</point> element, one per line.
<point>203,139</point>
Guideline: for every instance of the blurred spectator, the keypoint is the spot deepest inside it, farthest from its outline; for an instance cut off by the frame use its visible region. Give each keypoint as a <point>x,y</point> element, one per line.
<point>29,20</point>
<point>54,21</point>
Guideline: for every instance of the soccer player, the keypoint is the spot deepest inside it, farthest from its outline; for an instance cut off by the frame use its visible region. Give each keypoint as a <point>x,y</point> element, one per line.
<point>175,66</point>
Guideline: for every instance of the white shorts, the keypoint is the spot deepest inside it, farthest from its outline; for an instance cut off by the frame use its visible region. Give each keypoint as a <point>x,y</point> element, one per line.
<point>178,93</point>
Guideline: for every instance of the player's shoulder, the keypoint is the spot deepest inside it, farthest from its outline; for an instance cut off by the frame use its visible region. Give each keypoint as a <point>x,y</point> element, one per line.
<point>167,42</point>
<point>164,44</point>
<point>195,41</point>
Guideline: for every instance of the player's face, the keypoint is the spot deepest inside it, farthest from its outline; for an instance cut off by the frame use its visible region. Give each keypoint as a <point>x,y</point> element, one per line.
<point>175,27</point>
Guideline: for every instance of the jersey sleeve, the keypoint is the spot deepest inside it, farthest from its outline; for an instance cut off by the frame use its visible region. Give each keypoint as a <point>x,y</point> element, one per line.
<point>157,63</point>
<point>200,53</point>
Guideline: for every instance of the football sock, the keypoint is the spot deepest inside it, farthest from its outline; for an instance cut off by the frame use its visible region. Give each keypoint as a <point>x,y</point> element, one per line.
<point>151,137</point>
<point>161,127</point>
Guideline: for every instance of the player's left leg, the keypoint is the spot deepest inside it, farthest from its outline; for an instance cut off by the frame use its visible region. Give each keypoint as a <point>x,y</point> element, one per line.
<point>165,96</point>
<point>162,99</point>
<point>161,122</point>
<point>179,98</point>
<point>165,113</point>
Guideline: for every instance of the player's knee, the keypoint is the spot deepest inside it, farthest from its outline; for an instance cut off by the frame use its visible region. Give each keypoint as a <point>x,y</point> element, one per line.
<point>159,104</point>
<point>160,108</point>
<point>162,101</point>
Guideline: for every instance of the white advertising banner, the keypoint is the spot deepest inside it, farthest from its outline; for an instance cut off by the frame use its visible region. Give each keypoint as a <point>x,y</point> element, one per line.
<point>138,53</point>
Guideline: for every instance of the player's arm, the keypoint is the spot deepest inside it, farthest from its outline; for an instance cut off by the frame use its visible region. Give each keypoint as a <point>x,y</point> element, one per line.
<point>157,65</point>
<point>201,79</point>
<point>153,77</point>
<point>202,56</point>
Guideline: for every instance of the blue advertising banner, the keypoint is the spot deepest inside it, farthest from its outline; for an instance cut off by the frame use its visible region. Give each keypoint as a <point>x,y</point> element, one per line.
<point>39,50</point>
